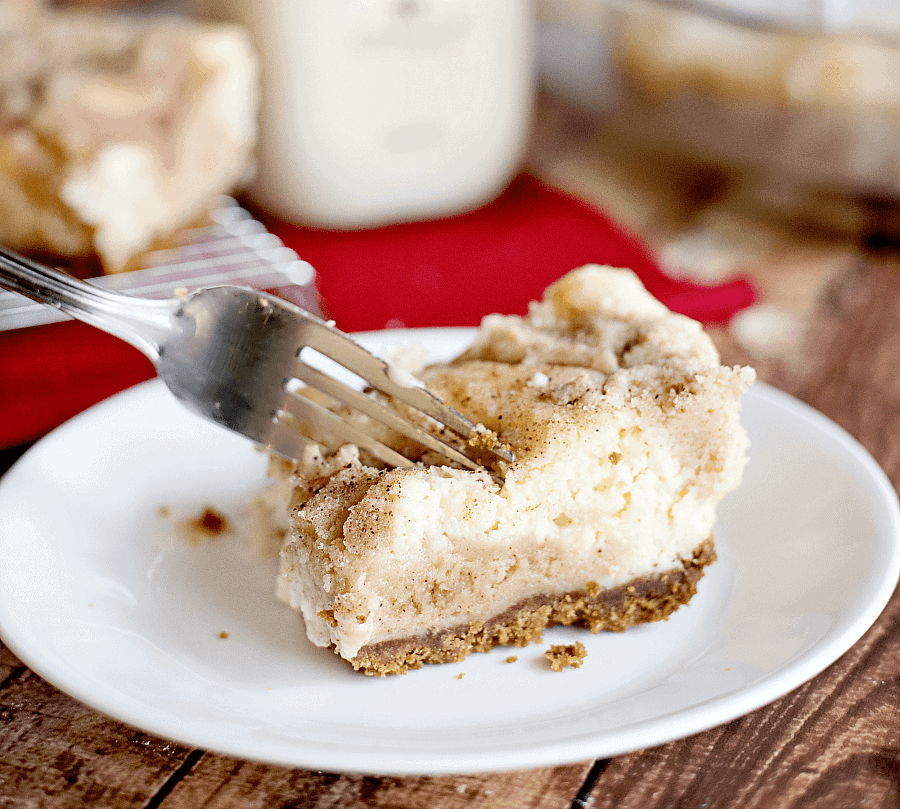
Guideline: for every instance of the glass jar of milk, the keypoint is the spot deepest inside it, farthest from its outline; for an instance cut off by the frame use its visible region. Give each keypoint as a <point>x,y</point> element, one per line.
<point>379,111</point>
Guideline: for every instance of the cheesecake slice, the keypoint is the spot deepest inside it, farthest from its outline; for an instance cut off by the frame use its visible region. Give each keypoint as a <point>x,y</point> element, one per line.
<point>626,433</point>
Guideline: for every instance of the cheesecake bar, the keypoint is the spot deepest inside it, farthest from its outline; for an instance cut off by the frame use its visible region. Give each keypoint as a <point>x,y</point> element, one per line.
<point>626,433</point>
<point>117,129</point>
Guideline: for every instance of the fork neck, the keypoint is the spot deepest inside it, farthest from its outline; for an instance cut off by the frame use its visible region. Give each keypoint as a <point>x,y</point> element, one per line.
<point>141,322</point>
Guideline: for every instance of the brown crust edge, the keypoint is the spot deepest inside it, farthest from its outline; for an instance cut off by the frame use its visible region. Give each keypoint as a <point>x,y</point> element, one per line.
<point>652,598</point>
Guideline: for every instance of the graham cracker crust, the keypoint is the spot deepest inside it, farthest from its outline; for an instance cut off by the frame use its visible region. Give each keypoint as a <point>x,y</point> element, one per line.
<point>653,598</point>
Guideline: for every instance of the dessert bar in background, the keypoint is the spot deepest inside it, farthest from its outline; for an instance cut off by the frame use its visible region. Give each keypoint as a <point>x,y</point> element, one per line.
<point>116,130</point>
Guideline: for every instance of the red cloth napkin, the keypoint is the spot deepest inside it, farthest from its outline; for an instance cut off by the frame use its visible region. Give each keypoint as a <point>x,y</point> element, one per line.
<point>449,272</point>
<point>453,272</point>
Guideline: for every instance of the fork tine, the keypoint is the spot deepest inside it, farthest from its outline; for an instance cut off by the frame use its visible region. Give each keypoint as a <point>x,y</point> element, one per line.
<point>309,412</point>
<point>287,438</point>
<point>340,348</point>
<point>375,410</point>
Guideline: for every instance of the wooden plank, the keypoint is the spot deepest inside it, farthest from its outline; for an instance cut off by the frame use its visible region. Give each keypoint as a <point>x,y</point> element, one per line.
<point>834,742</point>
<point>56,752</point>
<point>221,782</point>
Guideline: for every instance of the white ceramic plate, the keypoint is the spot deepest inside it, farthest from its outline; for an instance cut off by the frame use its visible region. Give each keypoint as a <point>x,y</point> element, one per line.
<point>93,601</point>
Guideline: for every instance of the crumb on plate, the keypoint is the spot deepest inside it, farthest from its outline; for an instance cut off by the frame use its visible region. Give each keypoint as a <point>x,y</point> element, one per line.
<point>561,655</point>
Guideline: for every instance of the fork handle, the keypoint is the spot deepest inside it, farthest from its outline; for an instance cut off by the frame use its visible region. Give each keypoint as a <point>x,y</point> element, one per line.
<point>139,321</point>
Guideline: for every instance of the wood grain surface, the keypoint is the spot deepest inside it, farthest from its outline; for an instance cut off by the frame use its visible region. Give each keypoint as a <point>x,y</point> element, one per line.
<point>833,743</point>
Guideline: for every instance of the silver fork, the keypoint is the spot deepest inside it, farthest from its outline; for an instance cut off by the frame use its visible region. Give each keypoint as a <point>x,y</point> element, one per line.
<point>233,355</point>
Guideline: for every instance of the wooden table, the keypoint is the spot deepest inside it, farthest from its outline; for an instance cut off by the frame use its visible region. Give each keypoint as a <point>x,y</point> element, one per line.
<point>833,742</point>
